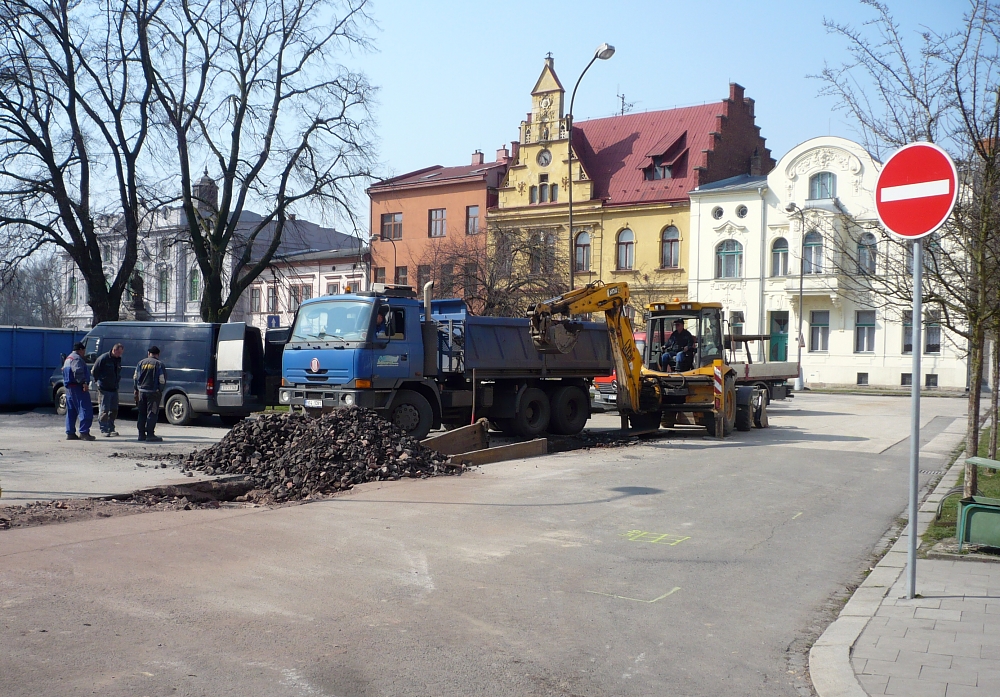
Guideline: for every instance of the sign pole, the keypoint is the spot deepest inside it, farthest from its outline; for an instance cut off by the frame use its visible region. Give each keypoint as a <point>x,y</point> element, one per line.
<point>917,346</point>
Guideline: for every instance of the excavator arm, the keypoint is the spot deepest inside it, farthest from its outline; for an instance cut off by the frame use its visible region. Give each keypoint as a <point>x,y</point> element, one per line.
<point>553,332</point>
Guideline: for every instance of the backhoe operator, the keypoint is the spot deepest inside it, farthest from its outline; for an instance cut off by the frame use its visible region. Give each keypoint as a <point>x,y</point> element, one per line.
<point>679,348</point>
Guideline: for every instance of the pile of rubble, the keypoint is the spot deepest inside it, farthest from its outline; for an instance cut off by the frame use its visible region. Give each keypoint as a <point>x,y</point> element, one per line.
<point>291,456</point>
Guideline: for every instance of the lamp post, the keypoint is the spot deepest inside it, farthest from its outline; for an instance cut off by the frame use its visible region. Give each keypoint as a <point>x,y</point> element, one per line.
<point>604,51</point>
<point>792,208</point>
<point>376,238</point>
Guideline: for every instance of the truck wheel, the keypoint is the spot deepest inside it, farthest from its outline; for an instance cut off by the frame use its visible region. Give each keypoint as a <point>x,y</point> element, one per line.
<point>178,410</point>
<point>744,417</point>
<point>644,422</point>
<point>760,416</point>
<point>533,417</point>
<point>766,389</point>
<point>61,401</point>
<point>570,410</point>
<point>411,412</point>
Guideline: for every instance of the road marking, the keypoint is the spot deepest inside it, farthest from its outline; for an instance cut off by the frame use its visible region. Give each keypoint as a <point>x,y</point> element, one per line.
<point>665,538</point>
<point>938,187</point>
<point>796,515</point>
<point>638,600</point>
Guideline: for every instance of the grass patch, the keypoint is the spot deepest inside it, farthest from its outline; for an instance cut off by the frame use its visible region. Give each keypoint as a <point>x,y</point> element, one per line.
<point>279,407</point>
<point>989,485</point>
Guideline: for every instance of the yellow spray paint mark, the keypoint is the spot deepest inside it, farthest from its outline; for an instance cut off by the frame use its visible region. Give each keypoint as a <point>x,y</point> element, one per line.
<point>654,537</point>
<point>638,600</point>
<point>796,515</point>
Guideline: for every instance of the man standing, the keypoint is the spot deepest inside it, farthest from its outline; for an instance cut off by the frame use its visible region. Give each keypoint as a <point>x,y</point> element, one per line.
<point>107,376</point>
<point>149,381</point>
<point>76,380</point>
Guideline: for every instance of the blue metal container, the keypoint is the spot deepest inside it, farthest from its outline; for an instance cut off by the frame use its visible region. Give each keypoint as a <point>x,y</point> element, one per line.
<point>28,355</point>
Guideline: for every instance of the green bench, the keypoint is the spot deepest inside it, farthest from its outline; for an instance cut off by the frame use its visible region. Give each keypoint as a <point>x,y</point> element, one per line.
<point>979,516</point>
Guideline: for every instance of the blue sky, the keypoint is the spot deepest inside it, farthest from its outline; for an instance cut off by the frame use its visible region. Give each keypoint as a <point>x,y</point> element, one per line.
<point>455,76</point>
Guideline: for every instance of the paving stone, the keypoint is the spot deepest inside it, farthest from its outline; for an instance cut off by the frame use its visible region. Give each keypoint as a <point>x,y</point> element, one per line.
<point>890,611</point>
<point>872,651</point>
<point>858,664</point>
<point>917,658</point>
<point>932,614</point>
<point>892,668</point>
<point>959,627</point>
<point>931,634</point>
<point>919,602</point>
<point>904,644</point>
<point>955,648</point>
<point>963,604</point>
<point>873,684</point>
<point>950,675</point>
<point>966,691</point>
<point>989,652</point>
<point>911,687</point>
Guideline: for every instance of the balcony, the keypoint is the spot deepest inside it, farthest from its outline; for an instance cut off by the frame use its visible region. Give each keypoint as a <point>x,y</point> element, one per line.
<point>815,284</point>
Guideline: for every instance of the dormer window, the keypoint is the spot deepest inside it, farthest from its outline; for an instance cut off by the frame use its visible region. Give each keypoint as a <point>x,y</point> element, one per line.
<point>823,185</point>
<point>658,170</point>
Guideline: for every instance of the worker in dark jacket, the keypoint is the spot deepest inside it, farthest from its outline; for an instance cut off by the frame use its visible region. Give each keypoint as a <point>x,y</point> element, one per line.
<point>149,381</point>
<point>76,380</point>
<point>107,376</point>
<point>678,348</point>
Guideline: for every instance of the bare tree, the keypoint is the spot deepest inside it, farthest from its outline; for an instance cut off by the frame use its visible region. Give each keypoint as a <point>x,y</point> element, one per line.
<point>73,129</point>
<point>252,89</point>
<point>32,295</point>
<point>947,92</point>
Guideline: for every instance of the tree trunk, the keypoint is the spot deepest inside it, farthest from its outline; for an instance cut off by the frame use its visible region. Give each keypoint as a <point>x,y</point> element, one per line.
<point>977,339</point>
<point>994,389</point>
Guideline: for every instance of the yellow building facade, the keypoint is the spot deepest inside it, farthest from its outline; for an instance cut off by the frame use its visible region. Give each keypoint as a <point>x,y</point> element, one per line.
<point>631,175</point>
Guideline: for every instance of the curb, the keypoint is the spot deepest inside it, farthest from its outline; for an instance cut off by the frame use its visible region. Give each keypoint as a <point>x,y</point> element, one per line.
<point>830,666</point>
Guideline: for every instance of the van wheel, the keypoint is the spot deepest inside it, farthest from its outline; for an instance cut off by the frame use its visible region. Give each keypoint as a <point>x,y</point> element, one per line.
<point>533,417</point>
<point>178,410</point>
<point>61,401</point>
<point>570,411</point>
<point>411,412</point>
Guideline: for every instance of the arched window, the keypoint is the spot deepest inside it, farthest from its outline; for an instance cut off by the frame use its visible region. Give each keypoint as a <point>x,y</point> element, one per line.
<point>729,259</point>
<point>554,193</point>
<point>583,251</point>
<point>543,193</point>
<point>670,248</point>
<point>626,250</point>
<point>812,253</point>
<point>823,185</point>
<point>164,286</point>
<point>194,286</point>
<point>867,250</point>
<point>779,257</point>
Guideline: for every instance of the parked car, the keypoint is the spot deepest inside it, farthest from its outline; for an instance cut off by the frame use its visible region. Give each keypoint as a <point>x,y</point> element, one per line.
<point>604,392</point>
<point>210,368</point>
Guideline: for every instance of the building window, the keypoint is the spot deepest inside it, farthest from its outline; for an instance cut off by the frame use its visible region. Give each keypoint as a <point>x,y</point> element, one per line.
<point>255,299</point>
<point>71,291</point>
<point>470,280</point>
<point>401,276</point>
<point>293,298</point>
<point>553,193</point>
<point>163,286</point>
<point>736,322</point>
<point>379,274</point>
<point>543,193</point>
<point>729,259</point>
<point>583,251</point>
<point>626,250</point>
<point>447,279</point>
<point>908,331</point>
<point>742,211</point>
<point>862,378</point>
<point>543,253</point>
<point>779,257</point>
<point>423,275</point>
<point>657,170</point>
<point>932,332</point>
<point>272,299</point>
<point>822,185</point>
<point>812,253</point>
<point>930,380</point>
<point>819,331</point>
<point>906,379</point>
<point>670,248</point>
<point>332,288</point>
<point>471,220</point>
<point>867,248</point>
<point>436,222</point>
<point>392,226</point>
<point>717,213</point>
<point>533,194</point>
<point>864,331</point>
<point>194,285</point>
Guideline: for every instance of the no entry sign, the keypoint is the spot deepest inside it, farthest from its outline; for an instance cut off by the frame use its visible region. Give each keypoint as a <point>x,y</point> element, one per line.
<point>916,190</point>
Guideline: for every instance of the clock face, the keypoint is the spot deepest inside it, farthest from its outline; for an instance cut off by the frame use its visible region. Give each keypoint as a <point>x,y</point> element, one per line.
<point>544,158</point>
<point>546,102</point>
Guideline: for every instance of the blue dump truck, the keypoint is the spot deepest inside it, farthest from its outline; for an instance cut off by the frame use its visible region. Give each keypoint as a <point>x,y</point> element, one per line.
<point>426,365</point>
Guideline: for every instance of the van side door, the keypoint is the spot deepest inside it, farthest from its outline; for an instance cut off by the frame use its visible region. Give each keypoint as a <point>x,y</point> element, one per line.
<point>229,365</point>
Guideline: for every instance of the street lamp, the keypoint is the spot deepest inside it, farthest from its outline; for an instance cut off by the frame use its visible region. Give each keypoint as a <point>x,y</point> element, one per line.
<point>604,51</point>
<point>792,208</point>
<point>375,238</point>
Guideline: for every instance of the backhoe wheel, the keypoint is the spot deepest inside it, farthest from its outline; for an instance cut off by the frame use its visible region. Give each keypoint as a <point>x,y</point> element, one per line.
<point>411,412</point>
<point>570,410</point>
<point>729,407</point>
<point>644,422</point>
<point>533,417</point>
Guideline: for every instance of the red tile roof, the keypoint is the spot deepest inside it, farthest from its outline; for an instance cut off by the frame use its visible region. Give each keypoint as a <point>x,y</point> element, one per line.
<point>702,144</point>
<point>436,174</point>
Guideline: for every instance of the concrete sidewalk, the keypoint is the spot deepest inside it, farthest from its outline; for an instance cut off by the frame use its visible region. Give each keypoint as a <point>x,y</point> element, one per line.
<point>945,643</point>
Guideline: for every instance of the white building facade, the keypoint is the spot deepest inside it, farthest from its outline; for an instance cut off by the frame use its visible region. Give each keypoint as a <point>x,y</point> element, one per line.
<point>811,224</point>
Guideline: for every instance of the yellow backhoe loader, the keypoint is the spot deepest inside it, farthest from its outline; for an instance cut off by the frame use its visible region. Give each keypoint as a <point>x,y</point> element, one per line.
<point>653,392</point>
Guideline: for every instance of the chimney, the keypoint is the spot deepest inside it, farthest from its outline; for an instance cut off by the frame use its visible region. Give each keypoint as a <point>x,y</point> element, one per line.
<point>755,170</point>
<point>503,154</point>
<point>515,150</point>
<point>477,157</point>
<point>291,216</point>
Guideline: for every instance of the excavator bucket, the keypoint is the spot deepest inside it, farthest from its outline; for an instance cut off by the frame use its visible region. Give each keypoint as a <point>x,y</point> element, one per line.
<point>555,337</point>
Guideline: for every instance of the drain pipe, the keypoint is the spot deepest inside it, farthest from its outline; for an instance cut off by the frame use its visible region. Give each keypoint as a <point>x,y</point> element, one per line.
<point>762,319</point>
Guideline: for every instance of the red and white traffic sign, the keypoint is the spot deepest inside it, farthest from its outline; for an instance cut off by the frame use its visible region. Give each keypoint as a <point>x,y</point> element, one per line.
<point>916,190</point>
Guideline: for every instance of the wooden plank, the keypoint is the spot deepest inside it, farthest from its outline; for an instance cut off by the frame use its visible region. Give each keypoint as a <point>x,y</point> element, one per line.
<point>983,462</point>
<point>531,448</point>
<point>460,440</point>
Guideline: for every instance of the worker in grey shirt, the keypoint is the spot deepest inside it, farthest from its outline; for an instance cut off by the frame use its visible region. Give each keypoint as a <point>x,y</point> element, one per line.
<point>107,375</point>
<point>149,380</point>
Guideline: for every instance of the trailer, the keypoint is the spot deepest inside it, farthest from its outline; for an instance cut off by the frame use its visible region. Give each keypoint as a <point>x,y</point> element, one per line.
<point>28,355</point>
<point>432,364</point>
<point>770,376</point>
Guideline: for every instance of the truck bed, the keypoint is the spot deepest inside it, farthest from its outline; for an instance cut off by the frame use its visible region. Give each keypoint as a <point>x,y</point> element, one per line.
<point>502,347</point>
<point>779,370</point>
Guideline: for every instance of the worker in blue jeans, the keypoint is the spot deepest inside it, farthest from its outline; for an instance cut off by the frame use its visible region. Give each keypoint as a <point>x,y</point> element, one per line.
<point>76,380</point>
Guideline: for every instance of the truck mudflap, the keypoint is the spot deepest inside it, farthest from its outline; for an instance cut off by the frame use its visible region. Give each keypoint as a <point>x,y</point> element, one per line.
<point>229,365</point>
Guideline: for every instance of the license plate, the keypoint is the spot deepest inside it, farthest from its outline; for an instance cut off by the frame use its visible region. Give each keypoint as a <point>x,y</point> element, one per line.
<point>230,387</point>
<point>610,398</point>
<point>314,403</point>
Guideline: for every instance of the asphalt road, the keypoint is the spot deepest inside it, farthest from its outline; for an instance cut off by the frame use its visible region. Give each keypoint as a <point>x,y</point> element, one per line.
<point>683,567</point>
